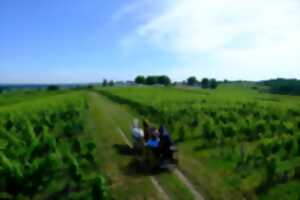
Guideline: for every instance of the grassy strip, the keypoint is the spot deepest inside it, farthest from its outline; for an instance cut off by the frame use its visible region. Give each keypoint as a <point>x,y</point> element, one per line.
<point>123,118</point>
<point>112,162</point>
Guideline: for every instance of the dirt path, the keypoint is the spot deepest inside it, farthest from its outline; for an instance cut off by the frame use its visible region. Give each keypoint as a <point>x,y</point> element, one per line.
<point>112,119</point>
<point>114,163</point>
<point>188,184</point>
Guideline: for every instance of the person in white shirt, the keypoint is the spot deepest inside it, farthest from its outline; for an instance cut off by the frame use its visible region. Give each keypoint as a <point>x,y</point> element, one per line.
<point>137,135</point>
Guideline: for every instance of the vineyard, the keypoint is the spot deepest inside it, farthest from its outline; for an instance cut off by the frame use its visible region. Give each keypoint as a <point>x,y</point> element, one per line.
<point>234,143</point>
<point>44,153</point>
<point>241,144</point>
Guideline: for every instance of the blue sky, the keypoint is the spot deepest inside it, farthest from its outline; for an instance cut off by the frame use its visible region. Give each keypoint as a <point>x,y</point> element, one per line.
<point>43,41</point>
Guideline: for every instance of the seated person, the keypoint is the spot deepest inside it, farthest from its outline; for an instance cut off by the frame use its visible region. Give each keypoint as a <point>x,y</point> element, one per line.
<point>165,143</point>
<point>137,135</point>
<point>146,127</point>
<point>153,144</point>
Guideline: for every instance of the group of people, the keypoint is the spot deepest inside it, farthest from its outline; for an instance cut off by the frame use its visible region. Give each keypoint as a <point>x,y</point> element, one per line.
<point>157,141</point>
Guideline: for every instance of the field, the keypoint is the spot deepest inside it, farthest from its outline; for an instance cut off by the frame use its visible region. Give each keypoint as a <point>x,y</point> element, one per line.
<point>66,145</point>
<point>234,142</point>
<point>43,151</point>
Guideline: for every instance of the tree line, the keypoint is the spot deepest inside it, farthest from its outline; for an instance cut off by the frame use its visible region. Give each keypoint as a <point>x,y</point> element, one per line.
<point>283,86</point>
<point>204,83</point>
<point>107,83</point>
<point>152,80</point>
<point>165,80</point>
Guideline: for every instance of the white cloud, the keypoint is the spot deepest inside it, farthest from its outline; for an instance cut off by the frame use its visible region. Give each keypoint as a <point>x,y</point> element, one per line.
<point>250,39</point>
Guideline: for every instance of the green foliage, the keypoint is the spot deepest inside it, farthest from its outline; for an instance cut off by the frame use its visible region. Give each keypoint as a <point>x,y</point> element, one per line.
<point>271,170</point>
<point>209,131</point>
<point>140,80</point>
<point>267,126</point>
<point>111,83</point>
<point>229,130</point>
<point>192,81</point>
<point>288,145</point>
<point>53,88</point>
<point>104,83</point>
<point>181,134</point>
<point>163,80</point>
<point>284,86</point>
<point>205,83</point>
<point>36,151</point>
<point>99,191</point>
<point>152,80</point>
<point>213,84</point>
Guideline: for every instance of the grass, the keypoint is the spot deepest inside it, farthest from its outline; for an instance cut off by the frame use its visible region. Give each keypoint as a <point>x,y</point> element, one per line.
<point>126,182</point>
<point>15,97</point>
<point>288,191</point>
<point>103,130</point>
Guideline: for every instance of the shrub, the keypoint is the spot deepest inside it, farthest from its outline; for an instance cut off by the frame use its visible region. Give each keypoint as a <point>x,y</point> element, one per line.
<point>209,132</point>
<point>140,80</point>
<point>53,88</point>
<point>222,117</point>
<point>288,145</point>
<point>271,170</point>
<point>205,83</point>
<point>265,150</point>
<point>298,142</point>
<point>111,83</point>
<point>261,126</point>
<point>275,147</point>
<point>298,123</point>
<point>288,127</point>
<point>104,83</point>
<point>99,190</point>
<point>297,173</point>
<point>181,134</point>
<point>213,84</point>
<point>274,124</point>
<point>192,81</point>
<point>229,130</point>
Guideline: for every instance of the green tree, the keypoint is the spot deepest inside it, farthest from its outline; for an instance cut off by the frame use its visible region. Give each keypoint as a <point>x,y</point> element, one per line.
<point>111,83</point>
<point>192,80</point>
<point>205,83</point>
<point>271,170</point>
<point>164,80</point>
<point>140,80</point>
<point>151,80</point>
<point>53,87</point>
<point>104,83</point>
<point>213,84</point>
<point>288,145</point>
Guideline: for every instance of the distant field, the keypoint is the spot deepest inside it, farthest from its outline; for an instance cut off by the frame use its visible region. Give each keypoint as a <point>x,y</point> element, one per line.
<point>10,98</point>
<point>234,142</point>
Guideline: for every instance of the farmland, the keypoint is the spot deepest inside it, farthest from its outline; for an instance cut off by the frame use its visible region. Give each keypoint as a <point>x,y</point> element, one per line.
<point>43,151</point>
<point>235,142</point>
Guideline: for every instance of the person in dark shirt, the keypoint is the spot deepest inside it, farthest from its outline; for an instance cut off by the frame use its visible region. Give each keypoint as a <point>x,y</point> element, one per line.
<point>146,127</point>
<point>165,142</point>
